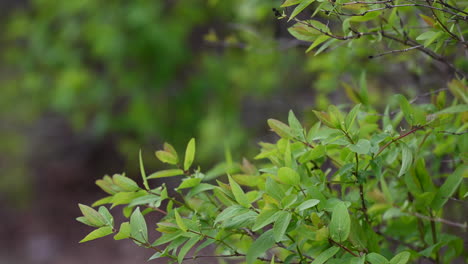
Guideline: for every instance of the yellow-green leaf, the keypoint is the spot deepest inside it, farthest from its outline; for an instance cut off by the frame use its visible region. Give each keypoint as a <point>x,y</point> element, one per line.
<point>340,224</point>
<point>93,216</point>
<point>98,233</point>
<point>239,194</point>
<point>179,221</point>
<point>166,173</point>
<point>189,154</point>
<point>280,128</point>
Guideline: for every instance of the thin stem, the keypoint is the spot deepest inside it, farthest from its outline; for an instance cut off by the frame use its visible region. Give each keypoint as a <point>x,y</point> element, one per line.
<point>343,247</point>
<point>395,140</point>
<point>441,24</point>
<point>395,51</point>
<point>215,239</point>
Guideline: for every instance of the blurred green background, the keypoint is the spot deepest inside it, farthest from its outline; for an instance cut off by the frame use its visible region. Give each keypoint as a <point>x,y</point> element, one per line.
<point>85,84</point>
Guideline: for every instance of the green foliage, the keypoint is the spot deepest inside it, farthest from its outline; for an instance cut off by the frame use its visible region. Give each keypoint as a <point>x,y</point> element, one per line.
<point>356,185</point>
<point>370,196</point>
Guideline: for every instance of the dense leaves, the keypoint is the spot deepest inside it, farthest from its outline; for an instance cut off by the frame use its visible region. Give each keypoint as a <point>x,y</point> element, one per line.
<point>355,185</point>
<point>363,189</point>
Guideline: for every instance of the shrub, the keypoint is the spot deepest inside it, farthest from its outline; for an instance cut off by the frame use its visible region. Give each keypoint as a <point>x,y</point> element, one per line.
<point>353,188</point>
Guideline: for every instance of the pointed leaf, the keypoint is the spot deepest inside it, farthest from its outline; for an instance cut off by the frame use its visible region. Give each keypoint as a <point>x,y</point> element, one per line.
<point>300,7</point>
<point>308,204</point>
<point>401,258</point>
<point>179,221</point>
<point>281,224</point>
<point>166,157</point>
<point>125,183</point>
<point>166,173</point>
<point>239,194</point>
<point>143,173</point>
<point>189,154</point>
<point>280,128</point>
<point>361,147</point>
<point>349,120</point>
<point>326,255</point>
<point>375,258</point>
<point>289,176</point>
<point>124,231</point>
<point>406,159</point>
<point>139,230</point>
<point>98,233</point>
<point>449,187</point>
<point>185,249</point>
<point>340,224</point>
<point>260,246</point>
<point>92,216</point>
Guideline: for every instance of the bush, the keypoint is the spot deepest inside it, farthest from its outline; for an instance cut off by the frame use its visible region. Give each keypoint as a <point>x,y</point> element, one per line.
<point>347,188</point>
<point>357,185</point>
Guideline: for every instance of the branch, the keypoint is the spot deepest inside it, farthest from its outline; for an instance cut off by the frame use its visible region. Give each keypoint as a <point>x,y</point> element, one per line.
<point>343,247</point>
<point>395,51</point>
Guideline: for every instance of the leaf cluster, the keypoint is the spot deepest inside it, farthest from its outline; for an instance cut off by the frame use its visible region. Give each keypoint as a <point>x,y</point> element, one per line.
<point>357,186</point>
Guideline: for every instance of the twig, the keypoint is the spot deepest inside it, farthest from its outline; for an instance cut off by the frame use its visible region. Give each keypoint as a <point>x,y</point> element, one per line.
<point>343,247</point>
<point>394,51</point>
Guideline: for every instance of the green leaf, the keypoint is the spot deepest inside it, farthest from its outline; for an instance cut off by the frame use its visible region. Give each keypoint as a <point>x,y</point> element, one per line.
<point>125,183</point>
<point>429,37</point>
<point>124,231</point>
<point>261,245</point>
<point>313,154</point>
<point>289,176</point>
<point>92,216</point>
<point>290,3</point>
<point>349,120</point>
<point>326,255</point>
<point>340,224</point>
<point>454,109</point>
<point>366,17</point>
<point>105,200</point>
<point>185,249</point>
<point>300,7</point>
<point>166,173</point>
<point>280,128</point>
<point>100,232</point>
<point>125,197</point>
<point>281,224</point>
<point>317,41</point>
<point>189,183</point>
<point>266,217</point>
<point>406,159</point>
<point>361,147</point>
<point>336,118</point>
<point>239,194</point>
<point>307,204</point>
<point>324,118</point>
<point>375,258</point>
<point>166,157</point>
<point>189,154</point>
<point>139,231</point>
<point>407,109</point>
<point>143,173</point>
<point>230,212</point>
<point>401,258</point>
<point>107,215</point>
<point>179,221</point>
<point>449,187</point>
<point>295,125</point>
<point>169,148</point>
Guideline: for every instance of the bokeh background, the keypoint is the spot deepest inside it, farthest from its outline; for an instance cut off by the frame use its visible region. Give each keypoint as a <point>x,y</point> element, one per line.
<point>86,84</point>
